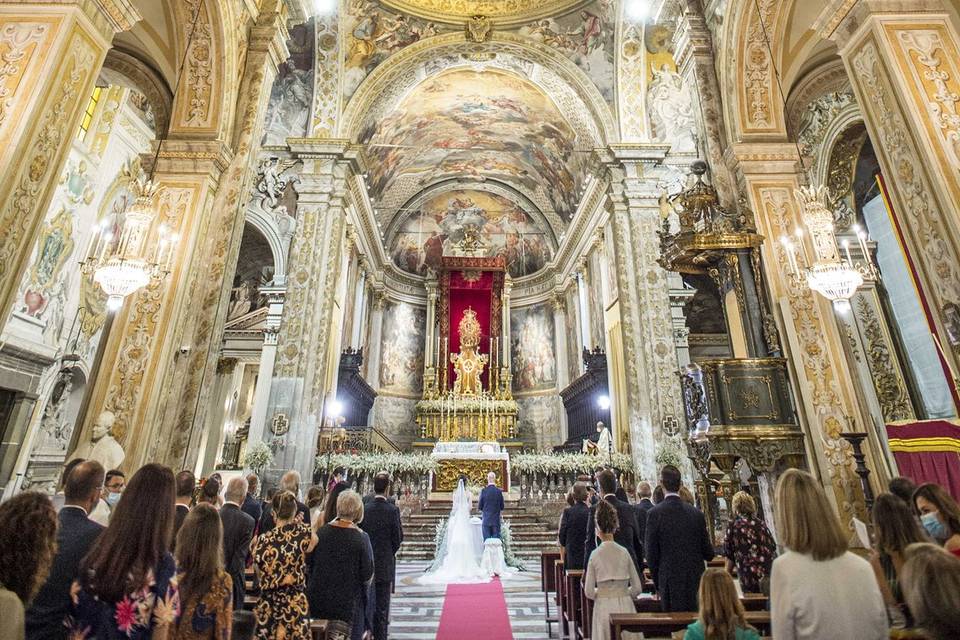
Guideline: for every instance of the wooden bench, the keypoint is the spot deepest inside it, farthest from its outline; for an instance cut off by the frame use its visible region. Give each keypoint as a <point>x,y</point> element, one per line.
<point>751,602</point>
<point>586,616</point>
<point>571,612</point>
<point>548,583</point>
<point>662,625</point>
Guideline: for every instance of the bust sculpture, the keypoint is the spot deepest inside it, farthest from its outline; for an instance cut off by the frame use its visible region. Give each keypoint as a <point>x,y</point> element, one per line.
<point>102,446</point>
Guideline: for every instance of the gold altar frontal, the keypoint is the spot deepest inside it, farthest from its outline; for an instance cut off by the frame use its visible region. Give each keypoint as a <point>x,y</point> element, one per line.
<point>449,470</point>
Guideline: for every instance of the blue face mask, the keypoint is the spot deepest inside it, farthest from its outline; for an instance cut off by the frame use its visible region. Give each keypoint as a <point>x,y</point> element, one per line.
<point>936,529</point>
<point>113,498</point>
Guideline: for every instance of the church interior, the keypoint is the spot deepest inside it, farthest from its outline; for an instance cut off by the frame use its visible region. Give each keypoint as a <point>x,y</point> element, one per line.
<point>442,238</point>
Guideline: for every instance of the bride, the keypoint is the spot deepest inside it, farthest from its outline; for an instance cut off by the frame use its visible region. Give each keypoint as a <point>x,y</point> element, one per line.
<point>457,560</point>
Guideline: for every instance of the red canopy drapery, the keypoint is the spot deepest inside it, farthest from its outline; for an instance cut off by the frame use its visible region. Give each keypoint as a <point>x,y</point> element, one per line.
<point>928,451</point>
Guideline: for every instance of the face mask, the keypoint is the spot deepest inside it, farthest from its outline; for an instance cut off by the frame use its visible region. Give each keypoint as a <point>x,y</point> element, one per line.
<point>933,526</point>
<point>113,498</point>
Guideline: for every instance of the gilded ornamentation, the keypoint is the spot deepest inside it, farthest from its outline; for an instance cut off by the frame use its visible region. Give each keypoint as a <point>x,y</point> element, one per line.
<point>499,12</point>
<point>468,364</point>
<point>448,472</point>
<point>200,57</point>
<point>758,87</point>
<point>631,82</point>
<point>894,401</point>
<point>479,28</point>
<point>18,40</point>
<point>327,72</point>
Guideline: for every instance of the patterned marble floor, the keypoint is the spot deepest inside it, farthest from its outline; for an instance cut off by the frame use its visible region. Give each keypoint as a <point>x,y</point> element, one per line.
<point>415,609</point>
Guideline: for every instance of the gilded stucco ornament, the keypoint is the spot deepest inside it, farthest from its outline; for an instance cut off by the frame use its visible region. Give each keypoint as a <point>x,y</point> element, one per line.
<point>499,12</point>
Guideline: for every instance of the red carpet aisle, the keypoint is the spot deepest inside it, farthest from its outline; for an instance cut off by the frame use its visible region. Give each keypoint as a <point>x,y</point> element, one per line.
<point>475,612</point>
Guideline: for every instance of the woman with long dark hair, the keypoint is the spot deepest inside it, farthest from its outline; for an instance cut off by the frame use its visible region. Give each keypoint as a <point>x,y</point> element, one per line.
<point>127,587</point>
<point>206,590</point>
<point>895,528</point>
<point>330,506</point>
<point>939,515</point>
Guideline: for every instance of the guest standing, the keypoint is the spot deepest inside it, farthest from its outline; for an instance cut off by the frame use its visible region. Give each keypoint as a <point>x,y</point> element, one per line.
<point>210,492</point>
<point>58,498</point>
<point>113,486</point>
<point>341,564</point>
<point>931,585</point>
<point>818,588</point>
<point>76,534</point>
<point>127,584</point>
<point>749,545</point>
<point>677,546</point>
<point>251,504</point>
<point>206,590</point>
<point>237,534</point>
<point>612,579</point>
<point>643,506</point>
<point>721,612</point>
<point>314,502</point>
<point>381,521</point>
<point>895,528</point>
<point>289,482</point>
<point>573,529</point>
<point>903,488</point>
<point>491,506</point>
<point>627,534</point>
<point>280,556</point>
<point>186,485</point>
<point>939,515</point>
<point>28,534</point>
<point>330,505</point>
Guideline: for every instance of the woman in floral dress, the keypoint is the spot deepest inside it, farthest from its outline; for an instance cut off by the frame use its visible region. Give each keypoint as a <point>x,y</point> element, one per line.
<point>280,557</point>
<point>749,544</point>
<point>127,586</point>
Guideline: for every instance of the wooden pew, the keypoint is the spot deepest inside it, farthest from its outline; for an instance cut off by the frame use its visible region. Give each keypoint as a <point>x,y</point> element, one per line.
<point>751,602</point>
<point>662,625</point>
<point>548,583</point>
<point>573,587</point>
<point>586,616</point>
<point>561,597</point>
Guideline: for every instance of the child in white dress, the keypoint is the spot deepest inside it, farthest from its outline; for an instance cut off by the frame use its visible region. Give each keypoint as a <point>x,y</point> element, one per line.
<point>612,580</point>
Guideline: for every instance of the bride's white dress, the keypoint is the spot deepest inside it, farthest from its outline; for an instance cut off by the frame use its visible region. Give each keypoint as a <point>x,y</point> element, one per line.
<point>457,555</point>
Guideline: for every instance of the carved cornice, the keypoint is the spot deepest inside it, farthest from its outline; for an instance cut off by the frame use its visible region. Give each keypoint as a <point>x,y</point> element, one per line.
<point>180,156</point>
<point>771,158</point>
<point>501,13</point>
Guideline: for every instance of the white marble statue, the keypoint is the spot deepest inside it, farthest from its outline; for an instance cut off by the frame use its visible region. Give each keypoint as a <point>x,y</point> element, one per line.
<point>102,446</point>
<point>670,108</point>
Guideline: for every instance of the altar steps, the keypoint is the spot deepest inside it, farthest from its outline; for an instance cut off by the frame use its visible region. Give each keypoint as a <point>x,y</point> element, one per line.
<point>531,533</point>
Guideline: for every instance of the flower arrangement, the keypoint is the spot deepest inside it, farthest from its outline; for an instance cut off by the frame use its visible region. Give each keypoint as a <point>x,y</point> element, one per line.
<point>567,463</point>
<point>258,457</point>
<point>669,452</point>
<point>371,463</point>
<point>506,536</point>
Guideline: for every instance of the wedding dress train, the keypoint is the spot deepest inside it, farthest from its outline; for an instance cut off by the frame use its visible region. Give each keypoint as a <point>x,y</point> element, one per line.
<point>457,560</point>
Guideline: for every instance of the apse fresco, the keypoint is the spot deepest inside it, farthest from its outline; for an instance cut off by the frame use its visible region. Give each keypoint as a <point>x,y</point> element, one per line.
<point>401,358</point>
<point>444,220</point>
<point>483,125</point>
<point>532,346</point>
<point>586,37</point>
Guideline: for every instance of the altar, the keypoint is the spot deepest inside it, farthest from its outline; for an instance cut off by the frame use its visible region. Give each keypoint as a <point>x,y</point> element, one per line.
<point>472,460</point>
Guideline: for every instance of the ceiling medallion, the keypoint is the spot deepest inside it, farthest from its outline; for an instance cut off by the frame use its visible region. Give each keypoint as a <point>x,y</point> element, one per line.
<point>500,12</point>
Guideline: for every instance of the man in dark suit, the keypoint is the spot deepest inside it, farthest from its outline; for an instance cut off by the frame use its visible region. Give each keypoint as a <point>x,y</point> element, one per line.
<point>237,533</point>
<point>381,521</point>
<point>573,528</point>
<point>644,492</point>
<point>289,482</point>
<point>677,546</point>
<point>491,505</point>
<point>76,533</point>
<point>627,536</point>
<point>186,485</point>
<point>251,504</point>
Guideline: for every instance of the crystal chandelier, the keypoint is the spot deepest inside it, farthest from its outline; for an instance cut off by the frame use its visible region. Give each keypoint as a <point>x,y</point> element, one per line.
<point>832,276</point>
<point>123,261</point>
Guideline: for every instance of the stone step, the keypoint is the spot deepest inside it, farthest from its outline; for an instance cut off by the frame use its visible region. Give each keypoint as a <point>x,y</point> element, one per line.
<point>538,536</point>
<point>518,527</point>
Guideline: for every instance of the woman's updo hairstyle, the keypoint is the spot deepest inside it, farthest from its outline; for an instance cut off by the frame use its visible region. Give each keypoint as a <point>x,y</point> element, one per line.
<point>607,520</point>
<point>285,505</point>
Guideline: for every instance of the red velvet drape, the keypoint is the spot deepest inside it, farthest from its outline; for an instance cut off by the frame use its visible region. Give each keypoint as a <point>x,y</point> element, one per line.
<point>928,451</point>
<point>475,293</point>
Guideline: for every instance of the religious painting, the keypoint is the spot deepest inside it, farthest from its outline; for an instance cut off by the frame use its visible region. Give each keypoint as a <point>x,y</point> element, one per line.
<point>586,37</point>
<point>532,345</point>
<point>291,97</point>
<point>401,356</point>
<point>496,225</point>
<point>373,34</point>
<point>487,125</point>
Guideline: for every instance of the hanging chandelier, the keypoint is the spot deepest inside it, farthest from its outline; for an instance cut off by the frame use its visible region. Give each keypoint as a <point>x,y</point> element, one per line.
<point>834,277</point>
<point>121,258</point>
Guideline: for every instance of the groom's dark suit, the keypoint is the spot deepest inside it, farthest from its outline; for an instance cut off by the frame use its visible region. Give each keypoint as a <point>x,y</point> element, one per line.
<point>491,504</point>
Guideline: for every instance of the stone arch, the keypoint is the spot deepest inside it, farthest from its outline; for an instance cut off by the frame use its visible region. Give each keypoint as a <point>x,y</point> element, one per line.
<point>266,225</point>
<point>548,68</point>
<point>126,69</point>
<point>203,101</point>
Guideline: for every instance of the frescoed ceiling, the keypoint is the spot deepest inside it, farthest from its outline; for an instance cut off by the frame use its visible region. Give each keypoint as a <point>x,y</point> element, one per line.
<point>487,125</point>
<point>500,12</point>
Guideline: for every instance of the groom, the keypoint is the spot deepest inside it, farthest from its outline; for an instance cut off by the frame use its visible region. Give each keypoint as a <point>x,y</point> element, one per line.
<point>491,504</point>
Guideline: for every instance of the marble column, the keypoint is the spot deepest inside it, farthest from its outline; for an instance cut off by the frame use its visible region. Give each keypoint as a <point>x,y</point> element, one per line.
<point>812,341</point>
<point>505,325</point>
<point>903,60</point>
<point>259,431</point>
<point>358,299</point>
<point>162,358</point>
<point>430,335</point>
<point>653,387</point>
<point>302,384</point>
<point>584,305</point>
<point>375,340</point>
<point>560,330</point>
<point>52,53</point>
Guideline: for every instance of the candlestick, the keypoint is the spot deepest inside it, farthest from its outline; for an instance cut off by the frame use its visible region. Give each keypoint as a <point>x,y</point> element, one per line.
<point>846,250</point>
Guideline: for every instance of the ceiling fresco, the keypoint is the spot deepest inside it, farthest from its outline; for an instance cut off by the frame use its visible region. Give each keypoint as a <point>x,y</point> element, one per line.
<point>479,125</point>
<point>445,220</point>
<point>500,12</point>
